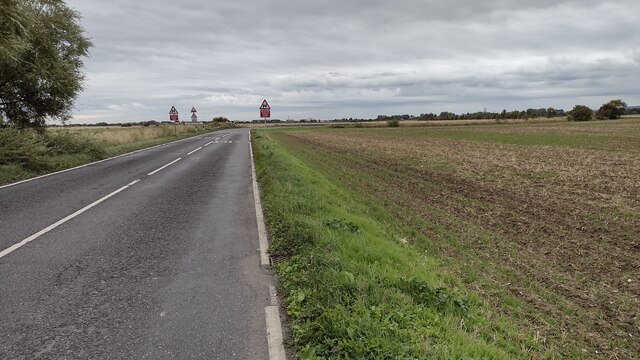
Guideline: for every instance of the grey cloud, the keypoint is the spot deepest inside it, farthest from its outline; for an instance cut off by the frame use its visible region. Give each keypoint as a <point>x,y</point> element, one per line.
<point>352,58</point>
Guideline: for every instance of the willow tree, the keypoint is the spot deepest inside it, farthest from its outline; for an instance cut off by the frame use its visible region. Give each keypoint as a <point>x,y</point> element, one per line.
<point>41,49</point>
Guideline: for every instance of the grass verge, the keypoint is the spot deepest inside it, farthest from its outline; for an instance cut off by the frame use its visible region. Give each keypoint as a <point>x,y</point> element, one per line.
<point>28,153</point>
<point>354,288</point>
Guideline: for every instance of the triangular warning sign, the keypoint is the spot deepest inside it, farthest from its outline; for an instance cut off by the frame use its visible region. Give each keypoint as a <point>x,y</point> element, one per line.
<point>193,110</point>
<point>173,110</point>
<point>265,105</point>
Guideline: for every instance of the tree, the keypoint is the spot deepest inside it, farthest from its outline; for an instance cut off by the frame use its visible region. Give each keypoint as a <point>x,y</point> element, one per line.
<point>40,60</point>
<point>551,113</point>
<point>612,110</point>
<point>14,18</point>
<point>580,113</point>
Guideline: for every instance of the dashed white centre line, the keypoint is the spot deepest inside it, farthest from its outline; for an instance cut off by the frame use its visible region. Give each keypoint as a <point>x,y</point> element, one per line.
<point>24,242</point>
<point>209,143</point>
<point>164,167</point>
<point>194,151</point>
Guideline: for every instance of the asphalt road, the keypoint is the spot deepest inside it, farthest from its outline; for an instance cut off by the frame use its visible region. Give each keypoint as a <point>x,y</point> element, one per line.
<point>166,267</point>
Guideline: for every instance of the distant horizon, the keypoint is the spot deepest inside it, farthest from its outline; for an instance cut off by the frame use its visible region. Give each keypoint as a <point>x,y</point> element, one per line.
<point>187,119</point>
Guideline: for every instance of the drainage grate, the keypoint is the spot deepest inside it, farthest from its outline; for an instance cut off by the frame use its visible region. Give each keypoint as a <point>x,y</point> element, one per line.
<point>276,260</point>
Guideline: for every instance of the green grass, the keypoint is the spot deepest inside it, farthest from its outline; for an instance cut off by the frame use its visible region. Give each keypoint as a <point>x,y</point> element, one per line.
<point>355,287</point>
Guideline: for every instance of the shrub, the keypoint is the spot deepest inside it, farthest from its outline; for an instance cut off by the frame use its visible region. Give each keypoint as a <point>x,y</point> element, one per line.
<point>614,109</point>
<point>580,113</point>
<point>34,150</point>
<point>64,143</point>
<point>22,147</point>
<point>393,123</point>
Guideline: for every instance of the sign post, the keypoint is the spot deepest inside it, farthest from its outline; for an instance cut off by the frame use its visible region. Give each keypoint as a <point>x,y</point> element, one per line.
<point>194,117</point>
<point>173,116</point>
<point>265,112</point>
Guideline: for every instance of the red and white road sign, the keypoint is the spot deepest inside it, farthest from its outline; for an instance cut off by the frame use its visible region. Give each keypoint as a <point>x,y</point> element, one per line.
<point>193,110</point>
<point>265,109</point>
<point>173,111</point>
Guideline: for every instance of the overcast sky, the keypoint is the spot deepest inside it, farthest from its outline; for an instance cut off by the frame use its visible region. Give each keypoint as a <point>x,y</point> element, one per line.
<point>352,58</point>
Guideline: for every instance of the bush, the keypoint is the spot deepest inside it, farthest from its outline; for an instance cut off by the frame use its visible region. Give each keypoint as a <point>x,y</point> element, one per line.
<point>64,143</point>
<point>580,113</point>
<point>34,150</point>
<point>393,123</point>
<point>614,109</point>
<point>22,147</point>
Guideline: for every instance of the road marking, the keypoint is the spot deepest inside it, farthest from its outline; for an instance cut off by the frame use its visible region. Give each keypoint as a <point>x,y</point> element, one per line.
<point>209,143</point>
<point>194,151</point>
<point>164,167</point>
<point>24,242</point>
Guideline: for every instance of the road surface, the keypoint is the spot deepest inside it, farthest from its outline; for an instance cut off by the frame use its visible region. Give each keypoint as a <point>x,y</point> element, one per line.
<point>140,257</point>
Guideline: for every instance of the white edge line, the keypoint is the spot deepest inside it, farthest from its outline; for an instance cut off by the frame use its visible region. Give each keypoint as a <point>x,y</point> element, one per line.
<point>194,151</point>
<point>164,167</point>
<point>24,242</point>
<point>95,162</point>
<point>262,230</point>
<point>274,333</point>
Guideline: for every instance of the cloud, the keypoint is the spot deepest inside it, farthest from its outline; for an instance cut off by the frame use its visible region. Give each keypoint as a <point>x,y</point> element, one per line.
<point>353,59</point>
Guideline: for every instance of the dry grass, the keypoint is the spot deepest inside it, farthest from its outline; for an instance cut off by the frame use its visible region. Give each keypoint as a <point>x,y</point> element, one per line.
<point>541,220</point>
<point>126,135</point>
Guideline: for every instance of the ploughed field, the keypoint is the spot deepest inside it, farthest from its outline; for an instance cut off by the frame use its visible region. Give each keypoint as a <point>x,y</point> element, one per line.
<point>542,221</point>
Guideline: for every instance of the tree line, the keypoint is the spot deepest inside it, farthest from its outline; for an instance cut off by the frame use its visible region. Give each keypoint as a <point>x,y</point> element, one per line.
<point>613,109</point>
<point>480,115</point>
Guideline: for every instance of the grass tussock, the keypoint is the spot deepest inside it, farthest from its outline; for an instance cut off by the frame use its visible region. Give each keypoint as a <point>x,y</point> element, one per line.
<point>353,286</point>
